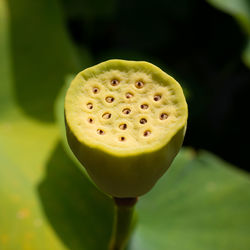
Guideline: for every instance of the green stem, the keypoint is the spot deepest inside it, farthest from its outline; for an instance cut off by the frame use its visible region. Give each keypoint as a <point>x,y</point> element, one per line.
<point>123,222</point>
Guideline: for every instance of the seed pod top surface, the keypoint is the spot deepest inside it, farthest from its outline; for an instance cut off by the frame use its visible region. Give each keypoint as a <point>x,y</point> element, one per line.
<point>125,108</point>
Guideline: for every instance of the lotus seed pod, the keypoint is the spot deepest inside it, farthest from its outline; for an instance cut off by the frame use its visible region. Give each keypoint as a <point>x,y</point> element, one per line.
<point>125,123</point>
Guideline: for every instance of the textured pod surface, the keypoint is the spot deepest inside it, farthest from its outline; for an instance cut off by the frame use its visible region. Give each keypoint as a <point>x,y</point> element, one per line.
<point>125,123</point>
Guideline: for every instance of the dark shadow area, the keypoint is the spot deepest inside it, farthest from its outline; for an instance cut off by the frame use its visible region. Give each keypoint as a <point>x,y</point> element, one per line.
<point>41,55</point>
<point>79,213</point>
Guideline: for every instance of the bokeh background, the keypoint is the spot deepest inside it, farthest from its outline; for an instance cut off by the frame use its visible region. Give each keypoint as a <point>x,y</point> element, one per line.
<point>46,200</point>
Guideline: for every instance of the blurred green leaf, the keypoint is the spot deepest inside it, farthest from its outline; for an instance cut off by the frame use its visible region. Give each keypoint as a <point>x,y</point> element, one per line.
<point>27,144</point>
<point>240,10</point>
<point>24,147</point>
<point>41,55</point>
<point>201,203</point>
<point>48,203</point>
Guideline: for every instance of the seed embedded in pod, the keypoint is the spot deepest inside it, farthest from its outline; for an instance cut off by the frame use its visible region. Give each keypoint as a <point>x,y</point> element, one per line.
<point>129,95</point>
<point>109,99</point>
<point>100,132</point>
<point>122,138</point>
<point>139,84</point>
<point>96,90</point>
<point>144,106</point>
<point>146,133</point>
<point>106,115</point>
<point>143,121</point>
<point>90,120</point>
<point>114,82</point>
<point>123,126</point>
<point>157,98</point>
<point>163,116</point>
<point>89,105</point>
<point>126,111</point>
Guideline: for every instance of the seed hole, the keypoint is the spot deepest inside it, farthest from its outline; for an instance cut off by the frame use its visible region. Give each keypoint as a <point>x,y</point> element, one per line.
<point>157,98</point>
<point>90,120</point>
<point>89,105</point>
<point>109,99</point>
<point>123,126</point>
<point>144,106</point>
<point>100,132</point>
<point>143,121</point>
<point>126,111</point>
<point>139,84</point>
<point>163,116</point>
<point>147,133</point>
<point>114,82</point>
<point>129,95</point>
<point>122,138</point>
<point>106,115</point>
<point>96,90</point>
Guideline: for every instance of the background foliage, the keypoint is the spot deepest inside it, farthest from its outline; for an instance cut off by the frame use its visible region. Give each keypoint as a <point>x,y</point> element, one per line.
<point>47,202</point>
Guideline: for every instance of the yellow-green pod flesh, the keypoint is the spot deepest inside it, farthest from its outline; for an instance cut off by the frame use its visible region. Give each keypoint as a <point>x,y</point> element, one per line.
<point>125,123</point>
